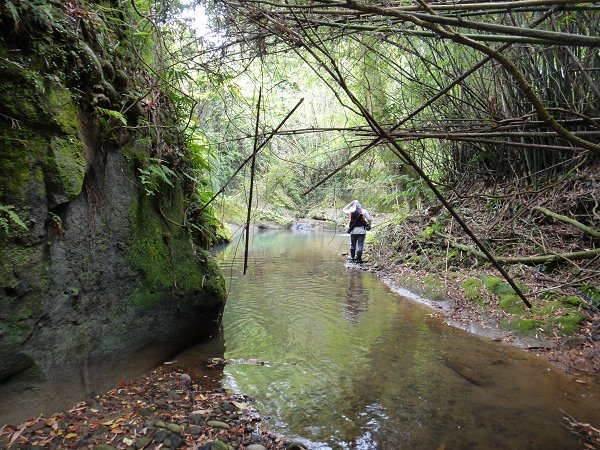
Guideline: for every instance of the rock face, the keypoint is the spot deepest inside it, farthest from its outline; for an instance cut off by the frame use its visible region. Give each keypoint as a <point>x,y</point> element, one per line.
<point>103,268</point>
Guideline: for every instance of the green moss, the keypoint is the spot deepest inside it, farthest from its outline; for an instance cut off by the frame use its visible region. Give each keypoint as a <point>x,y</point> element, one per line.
<point>60,107</point>
<point>511,303</point>
<point>472,288</point>
<point>146,299</point>
<point>548,308</point>
<point>528,325</point>
<point>18,159</point>
<point>569,324</point>
<point>573,301</point>
<point>498,286</point>
<point>65,170</point>
<point>12,259</point>
<point>165,256</point>
<point>434,288</point>
<point>16,80</point>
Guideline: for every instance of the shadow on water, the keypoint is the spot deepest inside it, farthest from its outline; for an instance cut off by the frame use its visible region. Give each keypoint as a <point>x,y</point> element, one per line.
<point>349,364</point>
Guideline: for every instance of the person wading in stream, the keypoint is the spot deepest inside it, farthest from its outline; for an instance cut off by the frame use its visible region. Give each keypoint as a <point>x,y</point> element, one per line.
<point>360,222</point>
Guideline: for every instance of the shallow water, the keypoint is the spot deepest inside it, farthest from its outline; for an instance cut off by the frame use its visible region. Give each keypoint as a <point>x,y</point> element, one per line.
<point>349,364</point>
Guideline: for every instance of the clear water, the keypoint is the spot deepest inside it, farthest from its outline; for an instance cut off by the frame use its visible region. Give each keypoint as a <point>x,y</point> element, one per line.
<point>349,364</point>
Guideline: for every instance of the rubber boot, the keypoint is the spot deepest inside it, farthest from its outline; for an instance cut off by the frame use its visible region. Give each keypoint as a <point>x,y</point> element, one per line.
<point>359,257</point>
<point>352,254</point>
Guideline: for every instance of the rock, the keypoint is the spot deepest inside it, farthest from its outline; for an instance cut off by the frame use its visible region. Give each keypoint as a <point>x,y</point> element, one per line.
<point>197,419</point>
<point>148,423</point>
<point>217,445</point>
<point>174,428</point>
<point>185,378</point>
<point>173,395</point>
<point>194,430</point>
<point>296,446</point>
<point>218,424</point>
<point>255,437</point>
<point>172,441</point>
<point>160,424</point>
<point>256,447</point>
<point>141,442</point>
<point>226,406</point>
<point>161,435</point>
<point>145,412</point>
<point>36,426</point>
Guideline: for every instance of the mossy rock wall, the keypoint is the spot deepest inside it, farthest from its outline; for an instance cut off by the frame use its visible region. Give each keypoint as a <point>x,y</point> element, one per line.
<point>102,268</point>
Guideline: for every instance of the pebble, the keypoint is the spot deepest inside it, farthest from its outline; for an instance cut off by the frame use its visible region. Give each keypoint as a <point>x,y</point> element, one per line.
<point>174,428</point>
<point>185,378</point>
<point>296,446</point>
<point>148,423</point>
<point>256,447</point>
<point>36,426</point>
<point>141,442</point>
<point>145,412</point>
<point>173,395</point>
<point>218,424</point>
<point>228,407</point>
<point>194,430</point>
<point>160,424</point>
<point>172,441</point>
<point>161,435</point>
<point>217,445</point>
<point>197,419</point>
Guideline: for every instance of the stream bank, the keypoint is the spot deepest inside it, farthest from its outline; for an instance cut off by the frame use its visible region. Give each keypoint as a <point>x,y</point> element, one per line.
<point>164,408</point>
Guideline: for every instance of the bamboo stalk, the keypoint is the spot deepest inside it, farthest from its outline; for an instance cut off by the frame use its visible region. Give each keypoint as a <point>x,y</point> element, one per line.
<point>577,224</point>
<point>254,151</point>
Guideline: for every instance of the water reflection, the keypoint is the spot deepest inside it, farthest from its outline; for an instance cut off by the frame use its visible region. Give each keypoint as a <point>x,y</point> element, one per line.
<point>351,365</point>
<point>355,307</point>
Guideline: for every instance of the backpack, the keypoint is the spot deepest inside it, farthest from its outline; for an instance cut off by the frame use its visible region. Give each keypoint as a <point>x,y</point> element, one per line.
<point>358,220</point>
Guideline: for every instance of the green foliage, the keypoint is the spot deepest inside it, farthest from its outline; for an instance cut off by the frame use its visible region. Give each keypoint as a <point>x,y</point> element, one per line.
<point>154,173</point>
<point>436,226</point>
<point>8,216</point>
<point>109,113</point>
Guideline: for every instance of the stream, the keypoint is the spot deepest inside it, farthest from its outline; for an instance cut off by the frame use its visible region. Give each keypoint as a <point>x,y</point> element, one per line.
<point>338,360</point>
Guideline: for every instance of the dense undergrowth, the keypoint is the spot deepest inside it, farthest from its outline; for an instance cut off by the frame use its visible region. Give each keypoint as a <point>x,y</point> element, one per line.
<point>553,262</point>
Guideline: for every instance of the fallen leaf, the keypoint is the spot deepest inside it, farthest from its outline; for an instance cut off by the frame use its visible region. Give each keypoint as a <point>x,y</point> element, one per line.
<point>71,435</point>
<point>127,441</point>
<point>240,405</point>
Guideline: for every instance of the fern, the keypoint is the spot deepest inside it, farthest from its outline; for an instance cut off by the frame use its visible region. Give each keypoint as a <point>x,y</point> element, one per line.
<point>155,172</point>
<point>113,114</point>
<point>8,216</point>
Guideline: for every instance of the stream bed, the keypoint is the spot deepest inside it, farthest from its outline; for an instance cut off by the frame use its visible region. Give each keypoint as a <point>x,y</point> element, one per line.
<point>338,360</point>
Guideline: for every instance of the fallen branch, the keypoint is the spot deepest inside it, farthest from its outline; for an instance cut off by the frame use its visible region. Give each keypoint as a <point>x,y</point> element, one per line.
<point>589,230</point>
<point>589,434</point>
<point>536,259</point>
